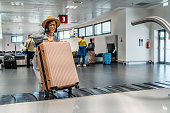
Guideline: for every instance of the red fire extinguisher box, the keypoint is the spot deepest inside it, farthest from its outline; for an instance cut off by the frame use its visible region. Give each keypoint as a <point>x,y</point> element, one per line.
<point>148,44</point>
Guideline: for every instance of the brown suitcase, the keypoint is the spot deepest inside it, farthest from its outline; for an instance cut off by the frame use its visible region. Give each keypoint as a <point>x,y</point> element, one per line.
<point>56,64</point>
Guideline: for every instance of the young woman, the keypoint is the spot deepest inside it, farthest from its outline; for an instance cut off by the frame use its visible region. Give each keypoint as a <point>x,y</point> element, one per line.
<point>48,34</point>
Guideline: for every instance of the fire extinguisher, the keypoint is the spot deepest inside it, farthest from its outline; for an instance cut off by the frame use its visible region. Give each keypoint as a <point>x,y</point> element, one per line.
<point>148,44</point>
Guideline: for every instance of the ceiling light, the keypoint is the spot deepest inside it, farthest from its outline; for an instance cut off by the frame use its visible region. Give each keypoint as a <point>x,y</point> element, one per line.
<point>22,4</point>
<point>71,7</point>
<point>17,3</point>
<point>68,7</point>
<point>165,2</point>
<point>74,7</point>
<point>12,3</point>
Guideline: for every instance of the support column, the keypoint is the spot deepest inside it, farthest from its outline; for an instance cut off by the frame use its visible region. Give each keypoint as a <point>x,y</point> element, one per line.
<point>0,33</point>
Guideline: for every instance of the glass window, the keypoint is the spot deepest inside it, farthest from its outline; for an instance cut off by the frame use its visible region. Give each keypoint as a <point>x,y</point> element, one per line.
<point>13,39</point>
<point>97,29</point>
<point>66,34</point>
<point>81,32</point>
<point>16,39</point>
<point>89,31</point>
<point>19,38</point>
<point>73,32</point>
<point>106,27</point>
<point>60,35</point>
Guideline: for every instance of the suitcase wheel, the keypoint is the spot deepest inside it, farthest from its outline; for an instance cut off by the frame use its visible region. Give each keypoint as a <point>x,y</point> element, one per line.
<point>77,85</point>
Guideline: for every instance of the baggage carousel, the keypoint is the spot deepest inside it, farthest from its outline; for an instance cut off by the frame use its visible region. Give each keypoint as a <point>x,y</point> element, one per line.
<point>82,92</point>
<point>144,101</point>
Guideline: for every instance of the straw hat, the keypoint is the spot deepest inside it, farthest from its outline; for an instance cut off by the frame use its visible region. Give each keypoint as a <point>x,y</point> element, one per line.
<point>51,18</point>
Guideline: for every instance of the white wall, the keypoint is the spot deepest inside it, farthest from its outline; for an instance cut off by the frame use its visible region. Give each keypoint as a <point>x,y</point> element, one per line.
<point>0,34</point>
<point>134,52</point>
<point>100,46</point>
<point>8,46</point>
<point>128,49</point>
<point>1,47</point>
<point>73,43</point>
<point>119,29</point>
<point>163,12</point>
<point>7,37</point>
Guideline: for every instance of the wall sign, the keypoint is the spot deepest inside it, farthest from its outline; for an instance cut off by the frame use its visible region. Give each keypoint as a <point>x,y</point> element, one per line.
<point>63,19</point>
<point>140,42</point>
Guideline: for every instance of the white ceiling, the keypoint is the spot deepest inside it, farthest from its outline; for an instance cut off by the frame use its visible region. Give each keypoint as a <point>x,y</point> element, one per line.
<point>27,18</point>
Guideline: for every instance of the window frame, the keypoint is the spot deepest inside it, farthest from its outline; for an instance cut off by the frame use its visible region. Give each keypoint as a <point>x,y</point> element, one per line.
<point>92,31</point>
<point>63,35</point>
<point>102,27</point>
<point>79,32</point>
<point>16,38</point>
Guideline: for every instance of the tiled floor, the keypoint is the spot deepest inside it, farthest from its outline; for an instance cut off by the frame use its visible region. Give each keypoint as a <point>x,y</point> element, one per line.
<point>22,79</point>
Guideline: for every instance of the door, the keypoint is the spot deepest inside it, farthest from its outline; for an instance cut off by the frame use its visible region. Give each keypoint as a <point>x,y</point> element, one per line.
<point>167,48</point>
<point>163,47</point>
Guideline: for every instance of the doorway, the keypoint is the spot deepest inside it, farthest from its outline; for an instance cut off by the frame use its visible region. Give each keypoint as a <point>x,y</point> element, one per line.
<point>163,47</point>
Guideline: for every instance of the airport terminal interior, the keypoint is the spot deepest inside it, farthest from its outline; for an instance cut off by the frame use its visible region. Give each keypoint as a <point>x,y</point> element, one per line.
<point>126,67</point>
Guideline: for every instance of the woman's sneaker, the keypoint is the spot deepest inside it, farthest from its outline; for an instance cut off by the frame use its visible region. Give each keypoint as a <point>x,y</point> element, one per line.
<point>84,65</point>
<point>78,65</point>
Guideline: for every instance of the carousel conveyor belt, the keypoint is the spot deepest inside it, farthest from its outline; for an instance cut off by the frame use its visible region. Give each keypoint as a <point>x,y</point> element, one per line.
<point>40,96</point>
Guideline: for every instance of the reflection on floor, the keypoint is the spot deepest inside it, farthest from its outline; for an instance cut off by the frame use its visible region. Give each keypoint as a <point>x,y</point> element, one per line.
<point>40,96</point>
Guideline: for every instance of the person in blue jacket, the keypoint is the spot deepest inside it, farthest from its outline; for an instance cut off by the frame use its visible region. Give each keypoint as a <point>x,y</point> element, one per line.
<point>82,51</point>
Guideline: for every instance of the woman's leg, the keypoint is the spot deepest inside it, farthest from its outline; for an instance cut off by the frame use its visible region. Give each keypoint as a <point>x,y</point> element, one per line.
<point>37,73</point>
<point>84,64</point>
<point>79,60</point>
<point>79,57</point>
<point>83,60</point>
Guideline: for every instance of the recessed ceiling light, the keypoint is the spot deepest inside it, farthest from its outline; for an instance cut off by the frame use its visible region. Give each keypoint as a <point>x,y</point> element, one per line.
<point>74,7</point>
<point>68,7</point>
<point>12,3</point>
<point>71,7</point>
<point>22,4</point>
<point>17,3</point>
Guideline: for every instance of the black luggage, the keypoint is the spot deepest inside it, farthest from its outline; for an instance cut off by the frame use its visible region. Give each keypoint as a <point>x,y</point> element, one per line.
<point>10,62</point>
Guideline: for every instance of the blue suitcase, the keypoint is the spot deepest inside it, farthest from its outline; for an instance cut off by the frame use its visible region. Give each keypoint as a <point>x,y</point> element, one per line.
<point>106,58</point>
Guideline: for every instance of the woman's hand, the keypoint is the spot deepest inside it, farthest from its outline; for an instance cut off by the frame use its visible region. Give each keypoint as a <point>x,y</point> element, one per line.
<point>50,40</point>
